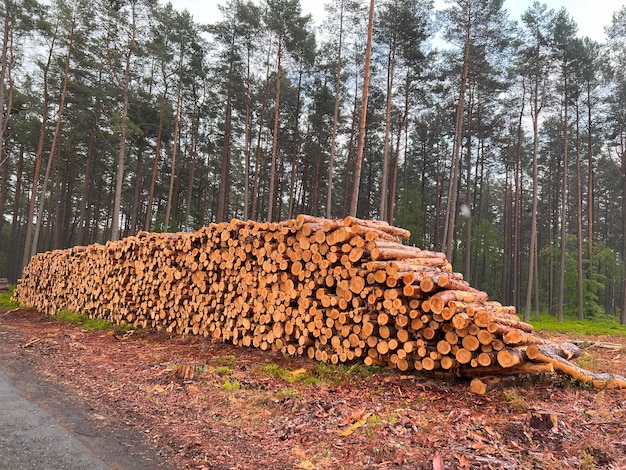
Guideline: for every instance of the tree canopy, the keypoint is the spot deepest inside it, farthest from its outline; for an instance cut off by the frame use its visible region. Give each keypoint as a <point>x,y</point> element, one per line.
<point>502,143</point>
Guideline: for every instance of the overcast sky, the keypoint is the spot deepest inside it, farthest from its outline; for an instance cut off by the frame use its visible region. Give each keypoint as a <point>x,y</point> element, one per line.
<point>591,15</point>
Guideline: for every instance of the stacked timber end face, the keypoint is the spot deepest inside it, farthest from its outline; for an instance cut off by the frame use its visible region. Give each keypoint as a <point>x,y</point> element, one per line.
<point>335,290</point>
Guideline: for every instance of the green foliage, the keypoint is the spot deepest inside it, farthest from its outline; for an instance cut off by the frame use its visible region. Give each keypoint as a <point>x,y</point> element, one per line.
<point>587,462</point>
<point>6,302</point>
<point>227,360</point>
<point>223,370</point>
<point>571,324</point>
<point>603,268</point>
<point>409,215</point>
<point>275,370</point>
<point>374,424</point>
<point>231,386</point>
<point>487,256</point>
<point>337,374</point>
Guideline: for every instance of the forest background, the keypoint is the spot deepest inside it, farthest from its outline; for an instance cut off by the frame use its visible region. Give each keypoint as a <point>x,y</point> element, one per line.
<point>499,142</point>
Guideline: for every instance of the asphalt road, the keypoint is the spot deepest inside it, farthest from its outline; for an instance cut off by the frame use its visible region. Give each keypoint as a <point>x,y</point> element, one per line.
<point>31,438</point>
<point>44,426</point>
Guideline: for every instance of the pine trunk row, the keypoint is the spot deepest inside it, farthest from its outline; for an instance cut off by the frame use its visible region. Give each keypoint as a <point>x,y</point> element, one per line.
<point>336,290</point>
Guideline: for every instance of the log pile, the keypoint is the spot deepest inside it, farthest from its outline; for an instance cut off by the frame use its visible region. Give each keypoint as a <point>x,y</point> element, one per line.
<point>4,285</point>
<point>335,290</point>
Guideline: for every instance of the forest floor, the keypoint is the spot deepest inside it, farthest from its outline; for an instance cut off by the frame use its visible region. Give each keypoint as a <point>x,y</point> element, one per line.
<point>209,405</point>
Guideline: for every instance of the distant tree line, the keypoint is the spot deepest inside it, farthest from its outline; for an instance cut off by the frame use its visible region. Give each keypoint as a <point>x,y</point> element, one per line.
<point>500,143</point>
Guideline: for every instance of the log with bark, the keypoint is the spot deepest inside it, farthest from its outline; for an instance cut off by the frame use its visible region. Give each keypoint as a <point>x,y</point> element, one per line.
<point>337,290</point>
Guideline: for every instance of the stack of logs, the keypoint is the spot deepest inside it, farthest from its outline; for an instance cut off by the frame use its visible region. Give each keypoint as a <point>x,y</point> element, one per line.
<point>4,285</point>
<point>335,290</point>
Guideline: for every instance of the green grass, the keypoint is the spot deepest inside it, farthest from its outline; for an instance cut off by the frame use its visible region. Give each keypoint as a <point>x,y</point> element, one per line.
<point>593,326</point>
<point>86,323</point>
<point>227,360</point>
<point>275,370</point>
<point>6,302</point>
<point>67,316</point>
<point>224,370</point>
<point>285,394</point>
<point>340,373</point>
<point>231,386</point>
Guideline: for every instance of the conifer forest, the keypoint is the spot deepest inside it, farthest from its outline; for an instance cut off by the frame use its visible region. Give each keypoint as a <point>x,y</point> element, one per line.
<point>498,141</point>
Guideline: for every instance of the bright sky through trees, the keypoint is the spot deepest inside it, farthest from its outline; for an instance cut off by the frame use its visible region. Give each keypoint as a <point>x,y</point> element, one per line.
<point>591,17</point>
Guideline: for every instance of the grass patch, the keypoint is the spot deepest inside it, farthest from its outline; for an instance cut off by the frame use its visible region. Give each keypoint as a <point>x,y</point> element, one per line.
<point>592,326</point>
<point>285,394</point>
<point>588,360</point>
<point>337,374</point>
<point>516,402</point>
<point>231,386</point>
<point>374,424</point>
<point>227,360</point>
<point>83,321</point>
<point>5,300</point>
<point>300,375</point>
<point>223,370</point>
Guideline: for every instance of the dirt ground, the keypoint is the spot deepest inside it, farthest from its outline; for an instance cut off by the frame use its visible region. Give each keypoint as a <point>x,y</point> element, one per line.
<point>210,405</point>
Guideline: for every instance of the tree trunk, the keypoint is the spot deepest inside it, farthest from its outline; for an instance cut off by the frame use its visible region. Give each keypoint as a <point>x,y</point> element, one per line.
<point>222,212</point>
<point>246,180</point>
<point>394,176</point>
<point>438,196</point>
<point>14,237</point>
<point>4,172</point>
<point>125,86</point>
<point>366,82</point>
<point>4,126</point>
<point>384,197</point>
<point>157,155</point>
<point>468,189</point>
<point>168,207</point>
<point>622,319</point>
<point>257,154</point>
<point>563,207</point>
<point>133,222</point>
<point>536,109</point>
<point>579,219</point>
<point>38,157</point>
<point>456,150</point>
<point>296,146</point>
<point>4,117</point>
<point>192,165</point>
<point>83,216</point>
<point>349,177</point>
<point>270,202</point>
<point>53,147</point>
<point>333,140</point>
<point>589,175</point>
<point>517,207</point>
